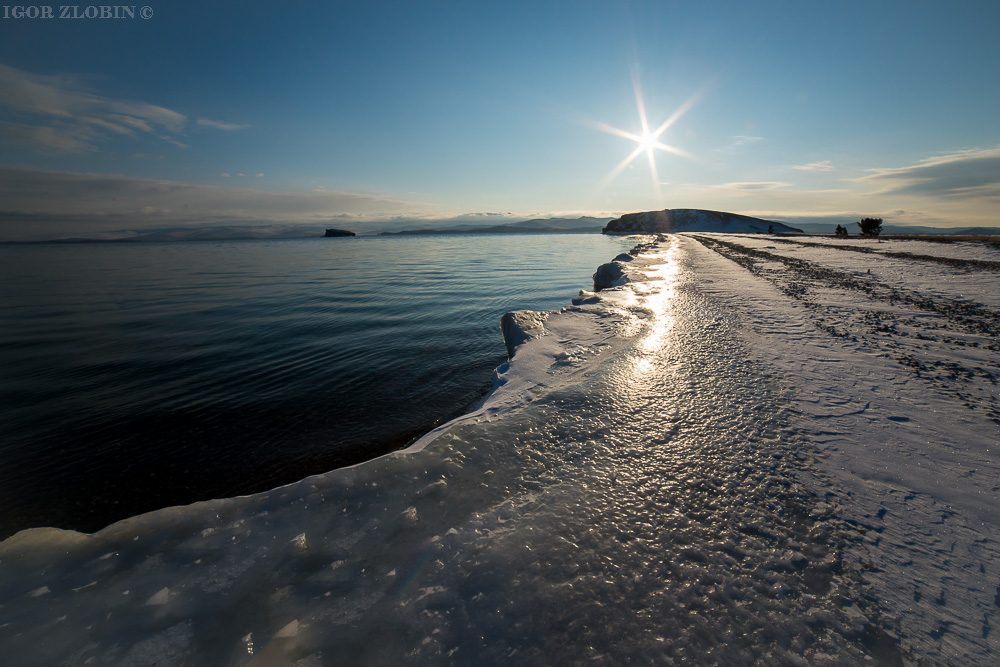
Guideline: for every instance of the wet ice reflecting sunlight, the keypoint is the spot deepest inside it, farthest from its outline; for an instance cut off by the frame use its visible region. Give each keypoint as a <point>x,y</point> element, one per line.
<point>656,295</point>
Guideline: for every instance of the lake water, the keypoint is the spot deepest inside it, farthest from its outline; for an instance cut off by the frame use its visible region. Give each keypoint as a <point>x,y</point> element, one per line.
<point>138,376</point>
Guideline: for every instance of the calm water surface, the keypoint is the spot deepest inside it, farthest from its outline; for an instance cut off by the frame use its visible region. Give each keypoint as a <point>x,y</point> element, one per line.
<point>137,376</point>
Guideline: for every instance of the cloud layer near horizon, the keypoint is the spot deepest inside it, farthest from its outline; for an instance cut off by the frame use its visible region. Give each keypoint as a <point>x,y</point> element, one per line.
<point>970,174</point>
<point>37,203</point>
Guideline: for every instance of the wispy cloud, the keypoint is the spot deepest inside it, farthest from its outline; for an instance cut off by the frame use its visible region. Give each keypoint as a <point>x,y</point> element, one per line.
<point>220,125</point>
<point>967,174</point>
<point>59,138</point>
<point>825,165</point>
<point>56,113</point>
<point>740,140</point>
<point>806,215</point>
<point>487,215</point>
<point>737,145</point>
<point>751,186</point>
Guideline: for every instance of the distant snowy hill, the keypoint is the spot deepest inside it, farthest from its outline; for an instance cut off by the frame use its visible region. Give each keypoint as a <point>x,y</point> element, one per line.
<point>693,220</point>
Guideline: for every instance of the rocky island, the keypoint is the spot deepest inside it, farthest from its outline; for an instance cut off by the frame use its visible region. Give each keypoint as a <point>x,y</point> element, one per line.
<point>338,232</point>
<point>673,220</point>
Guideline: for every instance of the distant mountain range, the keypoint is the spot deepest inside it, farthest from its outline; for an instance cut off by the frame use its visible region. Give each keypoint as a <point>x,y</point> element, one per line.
<point>679,220</point>
<point>584,225</point>
<point>211,233</point>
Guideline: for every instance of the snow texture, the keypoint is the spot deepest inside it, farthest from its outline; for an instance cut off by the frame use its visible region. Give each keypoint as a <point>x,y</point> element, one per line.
<point>757,451</point>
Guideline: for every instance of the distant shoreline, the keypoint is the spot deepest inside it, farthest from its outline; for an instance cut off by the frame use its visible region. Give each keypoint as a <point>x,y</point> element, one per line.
<point>441,232</point>
<point>943,237</point>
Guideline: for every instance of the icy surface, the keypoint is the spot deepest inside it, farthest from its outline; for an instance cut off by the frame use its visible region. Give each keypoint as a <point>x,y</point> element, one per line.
<point>754,452</point>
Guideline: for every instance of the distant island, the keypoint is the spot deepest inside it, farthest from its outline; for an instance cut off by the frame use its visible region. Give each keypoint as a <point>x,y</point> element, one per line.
<point>338,232</point>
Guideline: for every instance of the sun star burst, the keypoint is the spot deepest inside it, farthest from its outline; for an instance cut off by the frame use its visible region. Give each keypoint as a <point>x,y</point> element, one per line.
<point>648,141</point>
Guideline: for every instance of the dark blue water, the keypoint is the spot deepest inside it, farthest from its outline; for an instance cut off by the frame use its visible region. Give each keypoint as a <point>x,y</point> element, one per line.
<point>138,376</point>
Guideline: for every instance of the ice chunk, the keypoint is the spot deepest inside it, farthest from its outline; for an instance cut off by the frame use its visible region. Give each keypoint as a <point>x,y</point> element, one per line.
<point>161,596</point>
<point>608,275</point>
<point>287,631</point>
<point>519,326</point>
<point>409,516</point>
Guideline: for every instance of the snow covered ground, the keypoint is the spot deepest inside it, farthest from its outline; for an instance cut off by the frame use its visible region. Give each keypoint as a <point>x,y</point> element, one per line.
<point>759,450</point>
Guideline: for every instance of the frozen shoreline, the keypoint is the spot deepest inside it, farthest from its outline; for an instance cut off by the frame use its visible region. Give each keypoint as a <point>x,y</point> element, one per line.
<point>732,433</point>
<point>183,378</point>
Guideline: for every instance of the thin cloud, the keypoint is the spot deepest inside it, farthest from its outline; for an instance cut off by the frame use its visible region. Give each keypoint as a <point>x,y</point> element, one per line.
<point>737,144</point>
<point>57,138</point>
<point>740,140</point>
<point>220,125</point>
<point>751,186</point>
<point>486,214</point>
<point>179,144</point>
<point>61,115</point>
<point>968,174</point>
<point>825,165</point>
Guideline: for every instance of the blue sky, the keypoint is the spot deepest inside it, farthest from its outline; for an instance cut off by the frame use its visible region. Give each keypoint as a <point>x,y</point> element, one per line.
<point>386,111</point>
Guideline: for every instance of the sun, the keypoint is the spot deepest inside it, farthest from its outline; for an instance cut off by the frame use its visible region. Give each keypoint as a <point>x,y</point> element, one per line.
<point>648,141</point>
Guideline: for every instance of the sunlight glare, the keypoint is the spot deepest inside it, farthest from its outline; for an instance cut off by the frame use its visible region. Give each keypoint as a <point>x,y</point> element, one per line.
<point>648,141</point>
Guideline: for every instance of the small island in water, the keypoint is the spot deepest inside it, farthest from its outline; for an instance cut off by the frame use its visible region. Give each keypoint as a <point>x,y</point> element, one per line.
<point>338,232</point>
